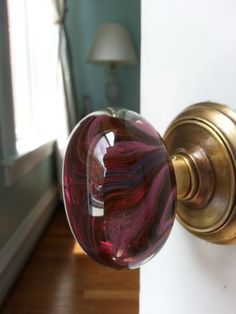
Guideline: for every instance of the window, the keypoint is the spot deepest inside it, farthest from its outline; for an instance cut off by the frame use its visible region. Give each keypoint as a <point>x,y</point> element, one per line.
<point>34,109</point>
<point>33,54</point>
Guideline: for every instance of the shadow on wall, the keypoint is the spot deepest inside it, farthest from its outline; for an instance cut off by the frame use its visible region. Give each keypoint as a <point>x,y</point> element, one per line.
<point>83,21</point>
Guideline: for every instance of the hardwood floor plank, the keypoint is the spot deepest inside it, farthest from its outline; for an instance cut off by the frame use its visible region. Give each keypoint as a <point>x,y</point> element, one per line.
<point>61,279</point>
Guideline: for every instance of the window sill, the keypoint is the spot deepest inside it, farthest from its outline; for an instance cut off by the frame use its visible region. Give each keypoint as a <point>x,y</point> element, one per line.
<point>18,166</point>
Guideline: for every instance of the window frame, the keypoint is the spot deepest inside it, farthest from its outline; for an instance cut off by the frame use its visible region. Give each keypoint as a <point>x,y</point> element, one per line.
<point>14,165</point>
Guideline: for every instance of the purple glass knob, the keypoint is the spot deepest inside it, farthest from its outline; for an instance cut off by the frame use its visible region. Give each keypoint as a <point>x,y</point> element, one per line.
<point>119,188</point>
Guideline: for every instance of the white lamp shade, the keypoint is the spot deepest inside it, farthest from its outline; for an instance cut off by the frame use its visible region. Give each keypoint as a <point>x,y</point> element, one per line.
<point>112,44</point>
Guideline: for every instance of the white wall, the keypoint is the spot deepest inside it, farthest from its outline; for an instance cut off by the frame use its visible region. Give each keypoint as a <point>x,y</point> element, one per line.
<point>188,55</point>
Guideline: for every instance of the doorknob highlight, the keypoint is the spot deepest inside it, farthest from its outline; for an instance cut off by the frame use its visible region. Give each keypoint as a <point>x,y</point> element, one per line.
<point>123,185</point>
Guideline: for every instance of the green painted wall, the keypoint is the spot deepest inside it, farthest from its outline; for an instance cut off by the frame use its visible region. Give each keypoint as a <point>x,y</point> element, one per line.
<point>82,19</point>
<point>18,200</point>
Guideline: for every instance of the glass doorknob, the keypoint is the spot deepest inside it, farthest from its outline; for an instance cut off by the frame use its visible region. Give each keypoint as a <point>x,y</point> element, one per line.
<point>122,182</point>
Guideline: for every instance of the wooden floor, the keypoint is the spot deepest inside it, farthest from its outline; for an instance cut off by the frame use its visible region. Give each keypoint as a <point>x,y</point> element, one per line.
<point>60,279</point>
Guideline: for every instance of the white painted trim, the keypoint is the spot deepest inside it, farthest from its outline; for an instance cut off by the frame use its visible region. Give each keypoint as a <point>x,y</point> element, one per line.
<point>17,166</point>
<point>17,250</point>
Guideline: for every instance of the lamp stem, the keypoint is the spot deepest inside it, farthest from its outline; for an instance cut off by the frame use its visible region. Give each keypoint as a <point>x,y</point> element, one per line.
<point>112,86</point>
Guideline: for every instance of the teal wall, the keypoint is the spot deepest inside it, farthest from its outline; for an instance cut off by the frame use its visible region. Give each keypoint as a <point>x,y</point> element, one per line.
<point>82,19</point>
<point>19,199</point>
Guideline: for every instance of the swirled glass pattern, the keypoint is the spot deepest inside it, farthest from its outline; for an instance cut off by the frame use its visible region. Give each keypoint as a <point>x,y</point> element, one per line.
<point>119,188</point>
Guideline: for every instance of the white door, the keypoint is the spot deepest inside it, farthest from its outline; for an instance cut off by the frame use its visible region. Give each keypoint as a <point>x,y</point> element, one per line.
<point>188,56</point>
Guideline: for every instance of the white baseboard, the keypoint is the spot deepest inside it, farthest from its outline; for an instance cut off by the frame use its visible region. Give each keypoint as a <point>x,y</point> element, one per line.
<point>17,250</point>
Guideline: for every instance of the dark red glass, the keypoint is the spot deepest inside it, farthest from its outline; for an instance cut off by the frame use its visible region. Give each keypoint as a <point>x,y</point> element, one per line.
<point>119,188</point>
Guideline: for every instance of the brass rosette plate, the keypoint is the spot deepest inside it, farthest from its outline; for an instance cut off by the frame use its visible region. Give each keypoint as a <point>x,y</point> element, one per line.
<point>204,135</point>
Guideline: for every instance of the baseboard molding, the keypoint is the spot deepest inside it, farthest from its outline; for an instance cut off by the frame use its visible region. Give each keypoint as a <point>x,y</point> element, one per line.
<point>17,250</point>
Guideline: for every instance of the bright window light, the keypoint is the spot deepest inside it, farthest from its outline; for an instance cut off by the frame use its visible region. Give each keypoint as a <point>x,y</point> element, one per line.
<point>34,61</point>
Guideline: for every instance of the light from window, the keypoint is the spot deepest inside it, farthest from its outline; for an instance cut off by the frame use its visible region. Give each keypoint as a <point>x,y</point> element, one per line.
<point>34,62</point>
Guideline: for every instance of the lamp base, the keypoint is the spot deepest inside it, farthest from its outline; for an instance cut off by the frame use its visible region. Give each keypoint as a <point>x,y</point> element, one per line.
<point>112,88</point>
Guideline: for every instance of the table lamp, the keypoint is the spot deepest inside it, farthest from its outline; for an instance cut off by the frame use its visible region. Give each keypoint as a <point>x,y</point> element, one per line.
<point>112,46</point>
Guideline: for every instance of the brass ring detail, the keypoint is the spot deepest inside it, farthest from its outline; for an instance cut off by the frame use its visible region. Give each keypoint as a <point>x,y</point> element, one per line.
<point>206,135</point>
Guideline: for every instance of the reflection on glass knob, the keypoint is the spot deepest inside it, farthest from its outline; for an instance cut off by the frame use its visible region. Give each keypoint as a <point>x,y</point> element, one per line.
<point>119,188</point>
<point>119,182</point>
